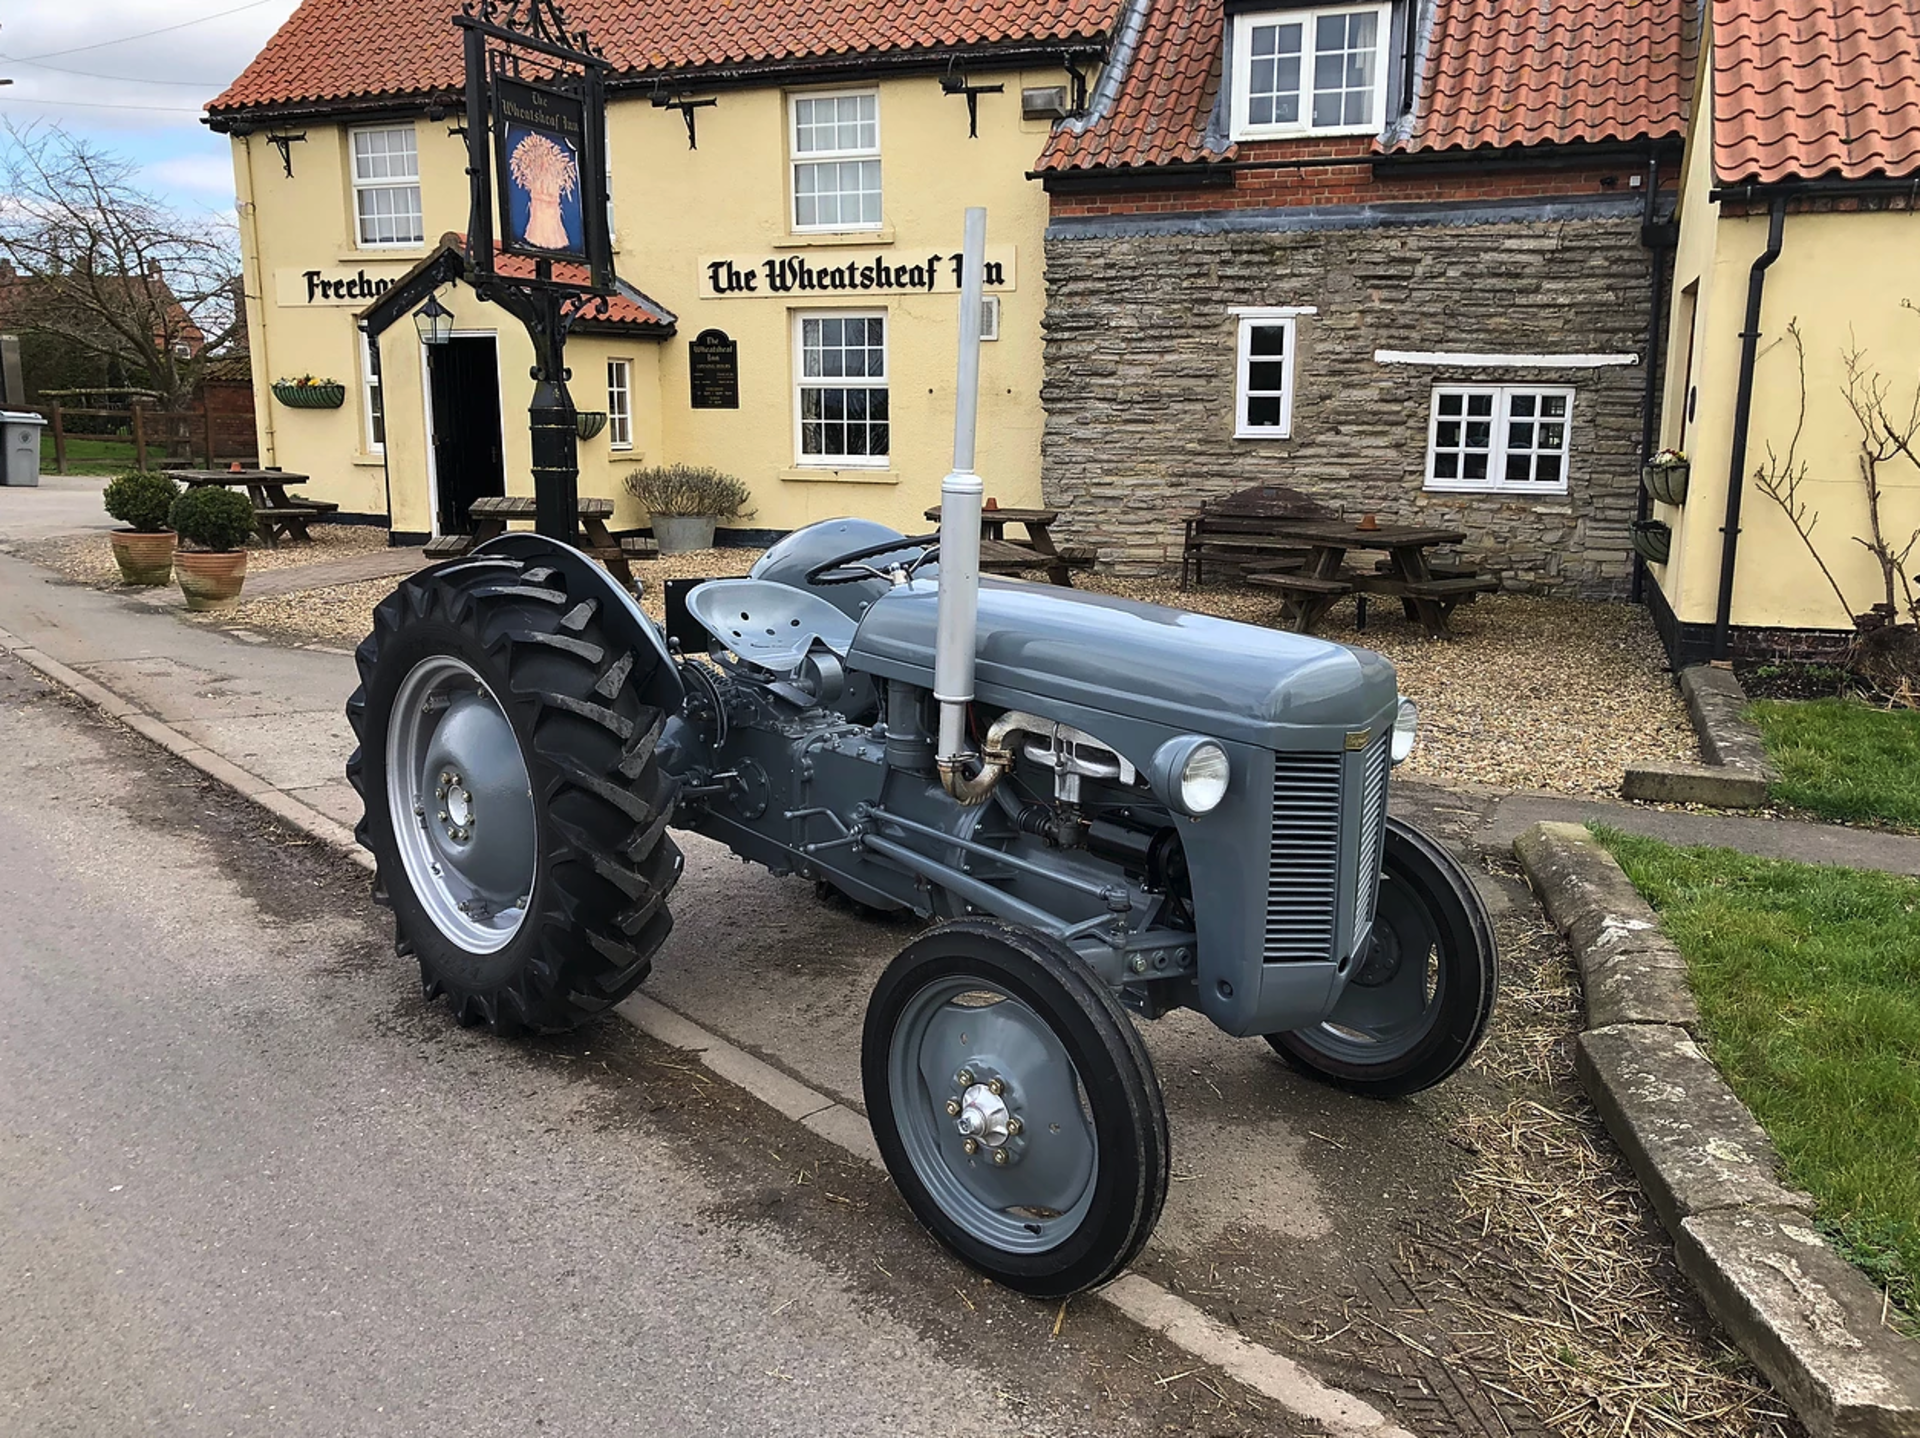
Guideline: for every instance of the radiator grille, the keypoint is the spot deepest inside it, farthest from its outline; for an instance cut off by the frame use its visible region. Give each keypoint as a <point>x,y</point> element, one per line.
<point>1303,864</point>
<point>1373,830</point>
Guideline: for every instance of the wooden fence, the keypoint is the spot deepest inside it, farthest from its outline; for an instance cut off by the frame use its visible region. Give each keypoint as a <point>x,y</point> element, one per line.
<point>158,438</point>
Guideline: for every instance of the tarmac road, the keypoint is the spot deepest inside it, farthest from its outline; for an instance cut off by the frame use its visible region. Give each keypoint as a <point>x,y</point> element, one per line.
<point>249,1183</point>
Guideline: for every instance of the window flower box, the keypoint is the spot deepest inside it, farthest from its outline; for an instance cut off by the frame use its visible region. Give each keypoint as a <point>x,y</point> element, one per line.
<point>1665,476</point>
<point>307,392</point>
<point>1652,540</point>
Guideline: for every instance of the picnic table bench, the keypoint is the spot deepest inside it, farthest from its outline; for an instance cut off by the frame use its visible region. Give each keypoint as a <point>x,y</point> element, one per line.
<point>1426,594</point>
<point>1001,555</point>
<point>492,515</point>
<point>1244,528</point>
<point>277,515</point>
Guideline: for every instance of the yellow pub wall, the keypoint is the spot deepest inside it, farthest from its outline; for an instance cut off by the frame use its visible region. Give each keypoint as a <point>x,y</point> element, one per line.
<point>674,209</point>
<point>1843,277</point>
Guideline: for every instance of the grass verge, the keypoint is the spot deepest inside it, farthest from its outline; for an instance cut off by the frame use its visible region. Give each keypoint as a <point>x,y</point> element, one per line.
<point>90,454</point>
<point>1808,978</point>
<point>1845,760</point>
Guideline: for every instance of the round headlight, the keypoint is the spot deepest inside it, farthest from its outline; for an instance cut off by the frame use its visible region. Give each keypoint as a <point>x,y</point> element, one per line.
<point>1190,774</point>
<point>1404,724</point>
<point>1203,778</point>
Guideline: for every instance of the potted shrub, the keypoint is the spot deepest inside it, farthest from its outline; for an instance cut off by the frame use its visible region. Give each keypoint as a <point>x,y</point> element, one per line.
<point>216,522</point>
<point>144,503</point>
<point>685,502</point>
<point>589,422</point>
<point>1665,476</point>
<point>1652,539</point>
<point>310,392</point>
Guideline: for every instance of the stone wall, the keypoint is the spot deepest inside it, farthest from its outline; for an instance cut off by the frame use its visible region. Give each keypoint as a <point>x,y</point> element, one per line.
<point>1140,361</point>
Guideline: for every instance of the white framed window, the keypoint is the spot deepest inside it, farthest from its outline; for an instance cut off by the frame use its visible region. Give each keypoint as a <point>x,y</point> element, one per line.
<point>1263,385</point>
<point>386,187</point>
<point>1301,72</point>
<point>834,142</point>
<point>619,404</point>
<point>1513,438</point>
<point>841,411</point>
<point>373,400</point>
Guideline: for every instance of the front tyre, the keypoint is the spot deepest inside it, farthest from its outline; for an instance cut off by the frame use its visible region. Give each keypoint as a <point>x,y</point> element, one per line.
<point>1422,996</point>
<point>513,799</point>
<point>1015,1106</point>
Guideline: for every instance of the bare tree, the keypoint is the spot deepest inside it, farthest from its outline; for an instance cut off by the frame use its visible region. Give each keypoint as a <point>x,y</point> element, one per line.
<point>101,264</point>
<point>1887,647</point>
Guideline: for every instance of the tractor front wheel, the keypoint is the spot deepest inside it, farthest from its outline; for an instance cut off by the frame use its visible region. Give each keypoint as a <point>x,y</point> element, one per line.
<point>514,802</point>
<point>1015,1106</point>
<point>1421,996</point>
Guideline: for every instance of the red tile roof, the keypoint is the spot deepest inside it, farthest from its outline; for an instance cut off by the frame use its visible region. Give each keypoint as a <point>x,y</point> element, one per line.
<point>627,308</point>
<point>1807,89</point>
<point>332,50</point>
<point>1550,72</point>
<point>1159,114</point>
<point>1553,72</point>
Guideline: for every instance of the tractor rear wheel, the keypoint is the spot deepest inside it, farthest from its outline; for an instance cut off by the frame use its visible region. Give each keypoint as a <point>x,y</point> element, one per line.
<point>1421,997</point>
<point>1015,1106</point>
<point>514,800</point>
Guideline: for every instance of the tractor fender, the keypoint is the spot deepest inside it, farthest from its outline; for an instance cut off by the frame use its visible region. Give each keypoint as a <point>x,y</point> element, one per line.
<point>620,611</point>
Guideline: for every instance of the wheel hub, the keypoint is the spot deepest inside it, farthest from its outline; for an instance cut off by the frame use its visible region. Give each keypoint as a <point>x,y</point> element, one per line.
<point>452,756</point>
<point>984,1115</point>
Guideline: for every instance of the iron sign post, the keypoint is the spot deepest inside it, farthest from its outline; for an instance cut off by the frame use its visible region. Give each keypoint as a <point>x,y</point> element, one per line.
<point>536,126</point>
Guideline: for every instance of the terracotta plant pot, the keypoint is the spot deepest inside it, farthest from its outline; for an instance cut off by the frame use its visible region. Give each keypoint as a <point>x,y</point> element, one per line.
<point>210,580</point>
<point>143,558</point>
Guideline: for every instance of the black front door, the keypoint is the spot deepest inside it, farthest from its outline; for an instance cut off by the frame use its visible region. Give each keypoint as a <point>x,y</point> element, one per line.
<point>467,462</point>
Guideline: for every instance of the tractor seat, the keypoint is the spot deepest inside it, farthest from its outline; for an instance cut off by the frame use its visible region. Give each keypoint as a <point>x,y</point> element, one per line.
<point>769,624</point>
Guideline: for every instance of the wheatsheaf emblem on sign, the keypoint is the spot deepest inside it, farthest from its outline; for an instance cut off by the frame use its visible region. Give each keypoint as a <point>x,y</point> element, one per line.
<point>546,182</point>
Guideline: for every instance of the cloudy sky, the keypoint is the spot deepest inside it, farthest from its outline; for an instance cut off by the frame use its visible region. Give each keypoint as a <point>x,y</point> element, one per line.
<point>132,75</point>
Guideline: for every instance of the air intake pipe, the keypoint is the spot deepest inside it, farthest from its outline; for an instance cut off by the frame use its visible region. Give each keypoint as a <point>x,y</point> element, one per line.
<point>957,619</point>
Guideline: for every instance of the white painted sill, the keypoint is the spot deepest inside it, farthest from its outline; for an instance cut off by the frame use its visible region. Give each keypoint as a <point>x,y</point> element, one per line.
<point>825,474</point>
<point>1541,491</point>
<point>804,239</point>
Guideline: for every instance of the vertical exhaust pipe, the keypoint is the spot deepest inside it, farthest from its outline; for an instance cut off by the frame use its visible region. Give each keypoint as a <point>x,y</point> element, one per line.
<point>957,620</point>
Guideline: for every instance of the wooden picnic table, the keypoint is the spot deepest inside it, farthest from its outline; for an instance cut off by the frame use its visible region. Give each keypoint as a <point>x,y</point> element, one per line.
<point>1409,575</point>
<point>1001,555</point>
<point>491,516</point>
<point>276,514</point>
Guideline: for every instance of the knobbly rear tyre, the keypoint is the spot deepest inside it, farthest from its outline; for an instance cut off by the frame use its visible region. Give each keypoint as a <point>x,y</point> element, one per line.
<point>601,866</point>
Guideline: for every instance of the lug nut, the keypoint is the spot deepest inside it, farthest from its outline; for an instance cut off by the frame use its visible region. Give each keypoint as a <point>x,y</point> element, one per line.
<point>1013,1127</point>
<point>970,1146</point>
<point>1000,1156</point>
<point>964,1078</point>
<point>995,1087</point>
<point>443,816</point>
<point>953,1108</point>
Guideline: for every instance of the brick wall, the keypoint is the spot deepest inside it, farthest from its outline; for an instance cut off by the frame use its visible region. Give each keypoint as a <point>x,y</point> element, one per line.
<point>1140,372</point>
<point>1288,183</point>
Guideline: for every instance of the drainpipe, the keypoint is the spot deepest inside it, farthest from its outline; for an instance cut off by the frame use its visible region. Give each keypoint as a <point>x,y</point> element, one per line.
<point>1643,504</point>
<point>256,333</point>
<point>1742,413</point>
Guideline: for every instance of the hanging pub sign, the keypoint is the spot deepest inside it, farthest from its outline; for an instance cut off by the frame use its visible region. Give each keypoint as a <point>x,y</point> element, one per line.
<point>713,370</point>
<point>539,153</point>
<point>536,96</point>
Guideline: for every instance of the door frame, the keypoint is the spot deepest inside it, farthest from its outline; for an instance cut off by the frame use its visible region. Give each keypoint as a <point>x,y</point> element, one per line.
<point>426,404</point>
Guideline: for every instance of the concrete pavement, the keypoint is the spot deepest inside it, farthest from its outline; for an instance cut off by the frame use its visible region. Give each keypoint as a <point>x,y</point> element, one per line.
<point>59,504</point>
<point>249,1182</point>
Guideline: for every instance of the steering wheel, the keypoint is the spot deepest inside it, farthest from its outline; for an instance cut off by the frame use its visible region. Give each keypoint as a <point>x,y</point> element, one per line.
<point>849,568</point>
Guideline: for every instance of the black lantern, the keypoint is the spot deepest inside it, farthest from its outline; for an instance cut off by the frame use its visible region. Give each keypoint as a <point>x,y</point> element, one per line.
<point>434,321</point>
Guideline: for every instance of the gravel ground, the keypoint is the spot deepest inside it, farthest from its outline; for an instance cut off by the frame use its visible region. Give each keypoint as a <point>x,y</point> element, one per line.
<point>89,559</point>
<point>1532,694</point>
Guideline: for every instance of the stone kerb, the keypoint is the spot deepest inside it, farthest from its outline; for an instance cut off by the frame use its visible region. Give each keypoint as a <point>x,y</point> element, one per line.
<point>1808,1319</point>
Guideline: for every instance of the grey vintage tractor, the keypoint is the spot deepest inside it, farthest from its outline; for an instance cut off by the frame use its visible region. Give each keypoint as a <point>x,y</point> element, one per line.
<point>1109,810</point>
